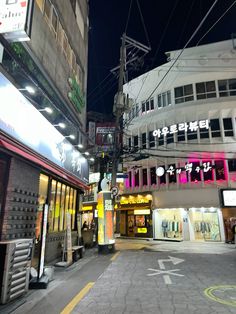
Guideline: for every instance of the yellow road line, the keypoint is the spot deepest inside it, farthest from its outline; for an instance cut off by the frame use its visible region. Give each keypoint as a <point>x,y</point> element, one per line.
<point>115,256</point>
<point>70,306</point>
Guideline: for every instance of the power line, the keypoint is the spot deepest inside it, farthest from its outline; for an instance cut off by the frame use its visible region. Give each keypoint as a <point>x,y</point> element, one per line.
<point>127,21</point>
<point>144,26</point>
<point>182,50</point>
<point>216,22</point>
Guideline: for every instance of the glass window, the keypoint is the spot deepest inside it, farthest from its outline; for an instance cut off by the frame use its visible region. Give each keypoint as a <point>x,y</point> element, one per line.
<point>136,178</point>
<point>161,140</point>
<point>232,165</point>
<point>136,141</point>
<point>147,105</point>
<point>164,99</point>
<point>227,87</point>
<point>207,175</point>
<point>151,139</point>
<point>144,176</point>
<point>220,170</point>
<point>137,110</point>
<point>191,135</point>
<point>204,133</point>
<point>152,104</point>
<point>163,177</point>
<point>170,138</point>
<point>62,208</point>
<point>215,128</point>
<point>181,136</point>
<point>57,207</point>
<point>153,175</point>
<point>172,175</point>
<point>130,178</point>
<point>51,213</point>
<point>143,107</point>
<point>195,174</point>
<point>129,142</point>
<point>67,203</point>
<point>183,93</point>
<point>144,140</point>
<point>228,127</point>
<point>206,90</point>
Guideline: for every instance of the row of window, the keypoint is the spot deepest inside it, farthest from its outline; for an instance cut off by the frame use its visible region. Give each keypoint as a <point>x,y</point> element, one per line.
<point>203,90</point>
<point>148,140</point>
<point>191,172</point>
<point>53,20</point>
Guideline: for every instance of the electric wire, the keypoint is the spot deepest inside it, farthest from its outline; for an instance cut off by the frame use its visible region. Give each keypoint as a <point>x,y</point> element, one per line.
<point>144,26</point>
<point>105,78</point>
<point>127,21</point>
<point>216,22</point>
<point>182,50</point>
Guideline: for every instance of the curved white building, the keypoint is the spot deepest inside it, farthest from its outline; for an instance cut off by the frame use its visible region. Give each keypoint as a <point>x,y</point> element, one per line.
<point>182,133</point>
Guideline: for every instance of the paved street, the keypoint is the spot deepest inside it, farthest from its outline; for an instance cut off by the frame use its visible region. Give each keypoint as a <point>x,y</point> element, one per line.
<point>142,277</point>
<point>169,280</point>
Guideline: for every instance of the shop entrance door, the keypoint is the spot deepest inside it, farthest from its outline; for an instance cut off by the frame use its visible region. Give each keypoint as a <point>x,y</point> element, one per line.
<point>130,225</point>
<point>205,224</point>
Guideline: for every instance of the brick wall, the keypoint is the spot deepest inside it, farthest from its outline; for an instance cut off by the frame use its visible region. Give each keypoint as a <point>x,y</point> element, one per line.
<point>21,201</point>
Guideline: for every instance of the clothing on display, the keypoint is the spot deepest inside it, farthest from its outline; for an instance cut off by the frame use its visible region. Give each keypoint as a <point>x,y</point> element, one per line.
<point>170,228</point>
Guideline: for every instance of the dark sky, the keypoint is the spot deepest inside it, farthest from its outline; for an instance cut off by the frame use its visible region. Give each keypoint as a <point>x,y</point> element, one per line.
<point>169,25</point>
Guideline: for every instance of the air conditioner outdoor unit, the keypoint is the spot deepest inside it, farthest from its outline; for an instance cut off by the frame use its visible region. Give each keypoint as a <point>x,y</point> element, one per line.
<point>15,262</point>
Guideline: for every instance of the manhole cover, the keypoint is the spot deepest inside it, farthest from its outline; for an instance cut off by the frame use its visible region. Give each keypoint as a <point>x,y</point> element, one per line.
<point>223,294</point>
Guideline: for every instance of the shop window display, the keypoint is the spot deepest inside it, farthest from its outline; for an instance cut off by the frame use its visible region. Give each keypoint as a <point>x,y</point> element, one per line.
<point>204,225</point>
<point>168,224</point>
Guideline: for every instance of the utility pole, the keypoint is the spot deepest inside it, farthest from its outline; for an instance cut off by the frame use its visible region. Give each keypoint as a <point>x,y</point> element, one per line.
<point>121,102</point>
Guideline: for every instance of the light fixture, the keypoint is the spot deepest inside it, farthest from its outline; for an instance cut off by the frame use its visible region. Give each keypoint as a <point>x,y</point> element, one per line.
<point>47,109</point>
<point>71,136</point>
<point>61,125</point>
<point>29,89</point>
<point>86,153</point>
<point>80,145</point>
<point>91,159</point>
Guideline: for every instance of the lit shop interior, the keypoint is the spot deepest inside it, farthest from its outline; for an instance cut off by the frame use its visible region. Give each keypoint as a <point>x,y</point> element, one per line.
<point>194,224</point>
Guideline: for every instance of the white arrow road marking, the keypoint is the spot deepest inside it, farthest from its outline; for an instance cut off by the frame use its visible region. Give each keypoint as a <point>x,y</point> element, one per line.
<point>159,272</point>
<point>165,277</point>
<point>172,259</point>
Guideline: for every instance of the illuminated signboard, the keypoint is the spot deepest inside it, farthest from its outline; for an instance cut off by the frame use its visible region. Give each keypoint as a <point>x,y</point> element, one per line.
<point>75,95</point>
<point>142,212</point>
<point>175,128</point>
<point>105,218</point>
<point>144,199</point>
<point>206,166</point>
<point>15,19</point>
<point>20,120</point>
<point>142,230</point>
<point>229,198</point>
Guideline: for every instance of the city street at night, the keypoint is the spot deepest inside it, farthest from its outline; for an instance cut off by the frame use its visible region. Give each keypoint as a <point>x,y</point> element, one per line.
<point>141,277</point>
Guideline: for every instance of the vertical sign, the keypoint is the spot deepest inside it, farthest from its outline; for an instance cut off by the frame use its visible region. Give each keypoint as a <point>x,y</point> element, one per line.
<point>105,219</point>
<point>68,238</point>
<point>92,129</point>
<point>43,240</point>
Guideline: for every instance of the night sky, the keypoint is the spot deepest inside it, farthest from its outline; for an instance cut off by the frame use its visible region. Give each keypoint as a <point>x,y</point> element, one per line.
<point>168,23</point>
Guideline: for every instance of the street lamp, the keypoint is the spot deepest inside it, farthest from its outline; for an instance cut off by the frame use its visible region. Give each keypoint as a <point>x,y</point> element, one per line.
<point>61,125</point>
<point>47,109</point>
<point>71,136</point>
<point>29,89</point>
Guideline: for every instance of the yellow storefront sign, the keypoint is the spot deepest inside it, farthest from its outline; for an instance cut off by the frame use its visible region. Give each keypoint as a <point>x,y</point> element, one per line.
<point>142,230</point>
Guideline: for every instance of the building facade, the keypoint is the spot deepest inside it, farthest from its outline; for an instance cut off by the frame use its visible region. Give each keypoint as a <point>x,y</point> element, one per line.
<point>180,135</point>
<point>43,175</point>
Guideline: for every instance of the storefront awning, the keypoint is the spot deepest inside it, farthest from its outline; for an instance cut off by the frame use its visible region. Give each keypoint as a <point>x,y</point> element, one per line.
<point>31,156</point>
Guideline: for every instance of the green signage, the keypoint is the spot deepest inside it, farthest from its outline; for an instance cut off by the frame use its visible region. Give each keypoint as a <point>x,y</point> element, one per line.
<point>75,95</point>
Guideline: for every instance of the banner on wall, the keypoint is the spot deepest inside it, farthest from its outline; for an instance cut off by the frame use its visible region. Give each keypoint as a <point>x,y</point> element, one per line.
<point>105,218</point>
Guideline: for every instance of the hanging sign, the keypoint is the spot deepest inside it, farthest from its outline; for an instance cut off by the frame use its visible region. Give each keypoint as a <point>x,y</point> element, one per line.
<point>175,128</point>
<point>16,19</point>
